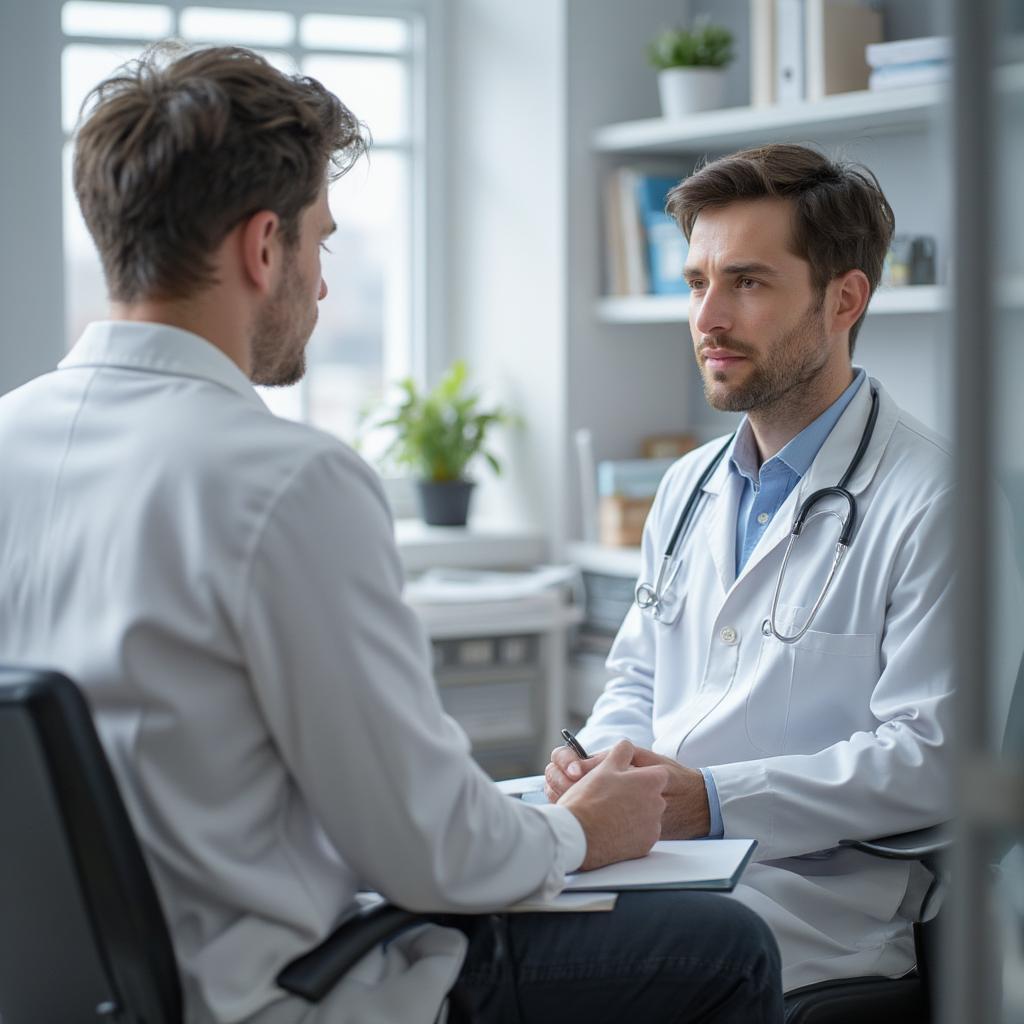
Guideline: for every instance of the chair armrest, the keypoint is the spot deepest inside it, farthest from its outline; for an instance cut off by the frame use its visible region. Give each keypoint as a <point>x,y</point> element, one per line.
<point>919,845</point>
<point>312,975</point>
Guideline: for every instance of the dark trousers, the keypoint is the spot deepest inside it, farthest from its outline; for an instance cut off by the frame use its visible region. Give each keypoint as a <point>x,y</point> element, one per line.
<point>676,957</point>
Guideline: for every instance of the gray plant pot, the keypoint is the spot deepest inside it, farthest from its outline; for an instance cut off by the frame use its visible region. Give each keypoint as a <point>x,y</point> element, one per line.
<point>444,503</point>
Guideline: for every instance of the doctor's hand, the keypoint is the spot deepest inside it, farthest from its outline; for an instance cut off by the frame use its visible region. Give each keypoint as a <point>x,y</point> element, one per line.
<point>687,814</point>
<point>620,807</point>
<point>566,768</point>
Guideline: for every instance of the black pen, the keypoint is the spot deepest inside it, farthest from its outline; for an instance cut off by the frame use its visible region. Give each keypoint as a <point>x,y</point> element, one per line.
<point>575,744</point>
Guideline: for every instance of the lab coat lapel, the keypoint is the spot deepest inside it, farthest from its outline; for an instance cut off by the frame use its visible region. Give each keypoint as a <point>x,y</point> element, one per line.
<point>723,492</point>
<point>831,463</point>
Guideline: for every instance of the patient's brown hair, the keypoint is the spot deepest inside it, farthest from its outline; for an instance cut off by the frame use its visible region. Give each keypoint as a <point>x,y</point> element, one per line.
<point>180,146</point>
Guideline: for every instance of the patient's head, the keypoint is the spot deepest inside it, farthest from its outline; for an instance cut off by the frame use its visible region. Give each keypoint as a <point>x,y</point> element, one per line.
<point>179,149</point>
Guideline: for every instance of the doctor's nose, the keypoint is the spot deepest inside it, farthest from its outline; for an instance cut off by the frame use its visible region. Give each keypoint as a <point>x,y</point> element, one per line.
<point>710,314</point>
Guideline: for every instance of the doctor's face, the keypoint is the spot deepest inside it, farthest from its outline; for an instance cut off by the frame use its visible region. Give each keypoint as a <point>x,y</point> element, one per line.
<point>286,322</point>
<point>756,319</point>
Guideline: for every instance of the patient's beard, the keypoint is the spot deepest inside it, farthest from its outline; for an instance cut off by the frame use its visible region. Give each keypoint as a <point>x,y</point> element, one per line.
<point>282,332</point>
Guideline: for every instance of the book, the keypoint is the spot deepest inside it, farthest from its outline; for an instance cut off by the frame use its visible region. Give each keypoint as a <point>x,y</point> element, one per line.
<point>902,76</point>
<point>762,53</point>
<point>909,51</point>
<point>836,36</point>
<point>644,248</point>
<point>713,864</point>
<point>789,51</point>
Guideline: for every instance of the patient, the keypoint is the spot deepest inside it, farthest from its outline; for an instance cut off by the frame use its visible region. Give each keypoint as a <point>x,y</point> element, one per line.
<point>225,587</point>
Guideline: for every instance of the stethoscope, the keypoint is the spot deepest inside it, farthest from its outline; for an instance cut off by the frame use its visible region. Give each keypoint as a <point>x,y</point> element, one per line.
<point>652,597</point>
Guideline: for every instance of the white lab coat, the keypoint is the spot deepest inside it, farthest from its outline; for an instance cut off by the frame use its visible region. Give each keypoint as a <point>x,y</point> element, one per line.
<point>843,734</point>
<point>225,586</point>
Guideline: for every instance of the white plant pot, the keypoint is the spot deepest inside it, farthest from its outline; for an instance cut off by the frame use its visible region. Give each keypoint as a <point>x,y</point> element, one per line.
<point>688,90</point>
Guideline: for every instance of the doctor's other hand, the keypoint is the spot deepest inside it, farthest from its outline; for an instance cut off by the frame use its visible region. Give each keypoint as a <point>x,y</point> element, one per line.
<point>619,806</point>
<point>687,814</point>
<point>566,768</point>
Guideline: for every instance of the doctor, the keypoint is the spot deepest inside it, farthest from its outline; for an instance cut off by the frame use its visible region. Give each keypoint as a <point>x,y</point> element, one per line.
<point>782,714</point>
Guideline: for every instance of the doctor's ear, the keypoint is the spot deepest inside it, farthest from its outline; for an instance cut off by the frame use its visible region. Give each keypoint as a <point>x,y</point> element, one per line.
<point>846,298</point>
<point>260,243</point>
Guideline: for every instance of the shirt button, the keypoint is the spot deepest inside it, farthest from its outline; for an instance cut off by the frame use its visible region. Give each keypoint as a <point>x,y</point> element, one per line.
<point>763,518</point>
<point>728,635</point>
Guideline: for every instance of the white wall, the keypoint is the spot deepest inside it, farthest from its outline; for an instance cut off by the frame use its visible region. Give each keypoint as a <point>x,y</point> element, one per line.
<point>31,255</point>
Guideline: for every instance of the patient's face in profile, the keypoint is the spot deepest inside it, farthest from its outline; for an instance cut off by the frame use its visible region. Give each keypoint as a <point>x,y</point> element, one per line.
<point>285,323</point>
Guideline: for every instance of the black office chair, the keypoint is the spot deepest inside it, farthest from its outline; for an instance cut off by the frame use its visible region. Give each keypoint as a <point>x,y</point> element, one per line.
<point>82,934</point>
<point>906,1000</point>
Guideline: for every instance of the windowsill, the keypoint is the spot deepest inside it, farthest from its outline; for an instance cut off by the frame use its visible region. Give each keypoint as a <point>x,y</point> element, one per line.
<point>480,545</point>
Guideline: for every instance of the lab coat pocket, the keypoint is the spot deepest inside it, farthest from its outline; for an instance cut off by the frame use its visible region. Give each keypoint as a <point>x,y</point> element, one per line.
<point>833,676</point>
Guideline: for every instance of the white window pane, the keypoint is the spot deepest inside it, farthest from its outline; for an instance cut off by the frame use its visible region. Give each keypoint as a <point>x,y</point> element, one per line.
<point>284,402</point>
<point>84,65</point>
<point>352,32</point>
<point>362,341</point>
<point>284,62</point>
<point>375,89</point>
<point>218,25</point>
<point>85,292</point>
<point>119,21</point>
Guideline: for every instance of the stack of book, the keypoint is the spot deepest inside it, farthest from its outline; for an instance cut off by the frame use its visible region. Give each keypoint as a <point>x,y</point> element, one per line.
<point>645,250</point>
<point>905,62</point>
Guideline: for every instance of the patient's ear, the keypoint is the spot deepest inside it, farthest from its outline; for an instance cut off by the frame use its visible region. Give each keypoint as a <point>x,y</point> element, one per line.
<point>260,241</point>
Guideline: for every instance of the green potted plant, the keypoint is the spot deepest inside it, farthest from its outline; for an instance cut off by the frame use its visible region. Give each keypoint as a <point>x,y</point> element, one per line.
<point>691,67</point>
<point>436,435</point>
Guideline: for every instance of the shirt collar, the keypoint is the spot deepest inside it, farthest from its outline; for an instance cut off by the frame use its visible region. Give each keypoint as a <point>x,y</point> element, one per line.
<point>800,452</point>
<point>157,348</point>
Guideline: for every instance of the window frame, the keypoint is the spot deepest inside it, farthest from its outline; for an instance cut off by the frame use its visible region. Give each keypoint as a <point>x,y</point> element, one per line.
<point>424,146</point>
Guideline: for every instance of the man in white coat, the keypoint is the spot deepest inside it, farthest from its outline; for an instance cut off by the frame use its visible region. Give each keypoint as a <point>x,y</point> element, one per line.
<point>797,726</point>
<point>224,586</point>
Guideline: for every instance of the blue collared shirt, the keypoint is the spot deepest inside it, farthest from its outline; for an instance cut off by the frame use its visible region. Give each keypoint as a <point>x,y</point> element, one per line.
<point>765,490</point>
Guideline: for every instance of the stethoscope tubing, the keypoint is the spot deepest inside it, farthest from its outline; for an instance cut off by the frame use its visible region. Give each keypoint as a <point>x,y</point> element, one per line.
<point>650,597</point>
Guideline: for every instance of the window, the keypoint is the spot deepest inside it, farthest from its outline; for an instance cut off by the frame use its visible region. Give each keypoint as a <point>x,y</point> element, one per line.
<point>369,332</point>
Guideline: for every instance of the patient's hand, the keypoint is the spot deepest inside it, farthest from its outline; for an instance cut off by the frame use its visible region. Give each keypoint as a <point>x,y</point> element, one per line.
<point>619,806</point>
<point>687,815</point>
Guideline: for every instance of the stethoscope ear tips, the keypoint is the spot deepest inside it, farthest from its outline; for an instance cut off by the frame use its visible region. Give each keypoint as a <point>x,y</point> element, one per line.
<point>766,628</point>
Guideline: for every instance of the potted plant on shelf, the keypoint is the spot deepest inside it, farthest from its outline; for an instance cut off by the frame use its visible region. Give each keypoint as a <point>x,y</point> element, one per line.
<point>436,435</point>
<point>691,67</point>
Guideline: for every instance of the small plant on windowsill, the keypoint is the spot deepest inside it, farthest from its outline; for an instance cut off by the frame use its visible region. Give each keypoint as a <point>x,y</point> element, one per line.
<point>436,435</point>
<point>691,67</point>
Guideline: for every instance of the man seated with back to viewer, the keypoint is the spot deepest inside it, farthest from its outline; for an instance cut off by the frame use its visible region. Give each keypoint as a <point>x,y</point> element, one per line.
<point>225,587</point>
<point>777,719</point>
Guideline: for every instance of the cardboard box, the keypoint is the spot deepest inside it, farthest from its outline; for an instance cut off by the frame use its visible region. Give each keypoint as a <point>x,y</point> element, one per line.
<point>621,520</point>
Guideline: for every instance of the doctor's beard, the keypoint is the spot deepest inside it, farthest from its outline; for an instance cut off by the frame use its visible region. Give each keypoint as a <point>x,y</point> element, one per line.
<point>790,362</point>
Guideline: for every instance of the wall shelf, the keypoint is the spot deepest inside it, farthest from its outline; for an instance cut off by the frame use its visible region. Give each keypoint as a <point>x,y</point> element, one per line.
<point>883,112</point>
<point>669,309</point>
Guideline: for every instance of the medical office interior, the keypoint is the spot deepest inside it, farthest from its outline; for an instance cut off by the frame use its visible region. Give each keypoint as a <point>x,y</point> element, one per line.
<point>509,220</point>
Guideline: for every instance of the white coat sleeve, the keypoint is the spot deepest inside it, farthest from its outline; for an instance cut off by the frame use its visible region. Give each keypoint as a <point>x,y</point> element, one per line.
<point>340,667</point>
<point>625,709</point>
<point>896,777</point>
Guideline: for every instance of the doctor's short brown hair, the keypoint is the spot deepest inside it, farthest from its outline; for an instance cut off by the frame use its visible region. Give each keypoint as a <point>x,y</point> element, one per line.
<point>182,145</point>
<point>841,219</point>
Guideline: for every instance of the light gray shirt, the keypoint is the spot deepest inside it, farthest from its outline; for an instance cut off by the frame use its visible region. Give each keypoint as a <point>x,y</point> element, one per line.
<point>225,587</point>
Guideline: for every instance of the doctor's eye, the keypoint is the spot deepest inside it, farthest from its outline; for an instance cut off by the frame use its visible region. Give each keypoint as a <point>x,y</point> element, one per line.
<point>747,282</point>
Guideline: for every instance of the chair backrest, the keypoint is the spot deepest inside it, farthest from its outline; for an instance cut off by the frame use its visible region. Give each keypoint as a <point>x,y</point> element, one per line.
<point>82,934</point>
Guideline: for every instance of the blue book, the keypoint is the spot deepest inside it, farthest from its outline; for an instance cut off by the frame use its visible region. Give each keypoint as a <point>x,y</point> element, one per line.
<point>666,244</point>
